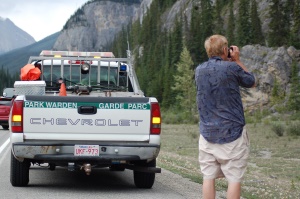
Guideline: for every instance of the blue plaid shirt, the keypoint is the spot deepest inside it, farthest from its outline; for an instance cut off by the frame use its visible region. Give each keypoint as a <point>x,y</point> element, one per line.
<point>219,100</point>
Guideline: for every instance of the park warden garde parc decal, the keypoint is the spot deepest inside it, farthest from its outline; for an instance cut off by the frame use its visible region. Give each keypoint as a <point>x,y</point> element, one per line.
<point>71,105</point>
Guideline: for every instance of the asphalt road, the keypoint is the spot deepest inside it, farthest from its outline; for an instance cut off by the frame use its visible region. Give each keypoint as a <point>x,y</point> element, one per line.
<point>102,183</point>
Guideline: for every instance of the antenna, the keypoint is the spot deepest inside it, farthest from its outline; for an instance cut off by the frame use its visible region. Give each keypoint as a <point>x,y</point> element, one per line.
<point>128,50</point>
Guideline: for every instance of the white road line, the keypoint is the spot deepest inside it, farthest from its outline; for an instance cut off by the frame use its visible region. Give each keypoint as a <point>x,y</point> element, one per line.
<point>4,145</point>
<point>4,154</point>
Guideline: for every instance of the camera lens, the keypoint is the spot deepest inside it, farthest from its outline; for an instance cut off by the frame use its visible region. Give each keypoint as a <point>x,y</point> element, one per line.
<point>229,56</point>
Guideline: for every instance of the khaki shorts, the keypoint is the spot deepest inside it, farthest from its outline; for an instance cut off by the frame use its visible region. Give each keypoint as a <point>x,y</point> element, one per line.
<point>224,160</point>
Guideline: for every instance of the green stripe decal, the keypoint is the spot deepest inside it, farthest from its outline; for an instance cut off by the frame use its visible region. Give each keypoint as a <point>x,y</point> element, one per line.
<point>74,105</point>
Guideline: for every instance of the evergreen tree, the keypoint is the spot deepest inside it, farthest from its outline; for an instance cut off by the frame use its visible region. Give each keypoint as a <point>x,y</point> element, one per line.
<point>146,65</point>
<point>231,25</point>
<point>256,31</point>
<point>277,94</point>
<point>172,48</point>
<point>295,29</point>
<point>7,80</point>
<point>194,40</point>
<point>218,18</point>
<point>288,7</point>
<point>155,84</point>
<point>184,83</point>
<point>135,37</point>
<point>168,95</point>
<point>277,31</point>
<point>176,39</point>
<point>166,3</point>
<point>294,98</point>
<point>206,24</point>
<point>275,90</point>
<point>243,36</point>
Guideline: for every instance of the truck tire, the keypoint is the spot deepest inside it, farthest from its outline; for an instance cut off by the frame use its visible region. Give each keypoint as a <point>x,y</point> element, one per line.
<point>143,179</point>
<point>19,172</point>
<point>5,127</point>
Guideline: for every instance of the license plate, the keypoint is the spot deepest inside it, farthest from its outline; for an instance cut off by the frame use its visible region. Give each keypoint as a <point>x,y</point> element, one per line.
<point>86,150</point>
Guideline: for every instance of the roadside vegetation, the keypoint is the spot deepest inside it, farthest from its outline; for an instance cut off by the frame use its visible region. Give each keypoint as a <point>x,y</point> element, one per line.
<point>274,164</point>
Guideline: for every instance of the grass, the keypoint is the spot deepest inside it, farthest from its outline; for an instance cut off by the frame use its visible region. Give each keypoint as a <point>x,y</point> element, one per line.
<point>274,164</point>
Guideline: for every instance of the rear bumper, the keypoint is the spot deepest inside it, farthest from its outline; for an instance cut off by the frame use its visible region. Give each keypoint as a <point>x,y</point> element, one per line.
<point>65,152</point>
<point>105,159</point>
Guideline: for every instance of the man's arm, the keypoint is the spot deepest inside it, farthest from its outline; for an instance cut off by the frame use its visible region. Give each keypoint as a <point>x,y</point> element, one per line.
<point>235,57</point>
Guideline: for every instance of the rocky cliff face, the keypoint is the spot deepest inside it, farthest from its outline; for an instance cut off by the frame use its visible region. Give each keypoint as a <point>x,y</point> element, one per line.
<point>268,65</point>
<point>95,26</point>
<point>145,4</point>
<point>12,37</point>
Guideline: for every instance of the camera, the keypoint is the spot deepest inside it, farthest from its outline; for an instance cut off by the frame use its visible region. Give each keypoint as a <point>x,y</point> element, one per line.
<point>231,48</point>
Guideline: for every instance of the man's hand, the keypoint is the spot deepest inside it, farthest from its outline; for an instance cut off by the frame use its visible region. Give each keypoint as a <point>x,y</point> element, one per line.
<point>235,57</point>
<point>234,53</point>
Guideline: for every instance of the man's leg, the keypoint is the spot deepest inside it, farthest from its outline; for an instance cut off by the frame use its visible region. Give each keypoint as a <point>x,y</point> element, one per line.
<point>208,189</point>
<point>234,190</point>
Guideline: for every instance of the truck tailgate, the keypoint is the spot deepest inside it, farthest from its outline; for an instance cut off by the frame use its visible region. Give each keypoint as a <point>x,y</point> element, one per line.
<point>91,118</point>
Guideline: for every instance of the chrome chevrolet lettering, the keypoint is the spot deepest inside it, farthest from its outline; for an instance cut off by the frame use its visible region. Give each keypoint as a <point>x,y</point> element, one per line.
<point>84,122</point>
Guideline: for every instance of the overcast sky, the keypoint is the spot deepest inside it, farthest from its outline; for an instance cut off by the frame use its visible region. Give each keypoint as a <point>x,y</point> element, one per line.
<point>39,18</point>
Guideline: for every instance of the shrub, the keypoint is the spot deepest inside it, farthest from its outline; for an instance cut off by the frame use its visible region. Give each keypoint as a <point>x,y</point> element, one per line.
<point>170,117</point>
<point>278,128</point>
<point>174,116</point>
<point>178,116</point>
<point>295,116</point>
<point>294,129</point>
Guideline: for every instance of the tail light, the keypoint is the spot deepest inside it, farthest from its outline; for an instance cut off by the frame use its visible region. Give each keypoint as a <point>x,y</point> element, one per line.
<point>155,119</point>
<point>17,117</point>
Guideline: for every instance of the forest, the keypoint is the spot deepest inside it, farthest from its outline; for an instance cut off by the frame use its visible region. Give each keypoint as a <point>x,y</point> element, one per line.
<point>6,79</point>
<point>165,60</point>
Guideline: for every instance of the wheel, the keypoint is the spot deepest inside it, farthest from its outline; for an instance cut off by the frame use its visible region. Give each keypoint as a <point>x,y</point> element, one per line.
<point>143,179</point>
<point>5,127</point>
<point>19,172</point>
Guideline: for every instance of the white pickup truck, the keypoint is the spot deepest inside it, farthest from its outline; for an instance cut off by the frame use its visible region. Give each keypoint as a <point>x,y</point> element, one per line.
<point>103,121</point>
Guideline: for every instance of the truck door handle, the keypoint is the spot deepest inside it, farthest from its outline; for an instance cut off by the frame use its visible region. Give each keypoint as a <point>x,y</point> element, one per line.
<point>87,110</point>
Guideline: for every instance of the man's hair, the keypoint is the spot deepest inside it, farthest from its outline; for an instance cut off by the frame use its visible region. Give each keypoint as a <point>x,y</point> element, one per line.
<point>214,45</point>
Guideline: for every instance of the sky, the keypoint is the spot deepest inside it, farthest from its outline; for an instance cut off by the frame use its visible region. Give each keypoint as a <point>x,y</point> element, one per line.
<point>39,18</point>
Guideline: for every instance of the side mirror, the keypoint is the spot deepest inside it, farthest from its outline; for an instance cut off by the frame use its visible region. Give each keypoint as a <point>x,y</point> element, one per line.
<point>85,68</point>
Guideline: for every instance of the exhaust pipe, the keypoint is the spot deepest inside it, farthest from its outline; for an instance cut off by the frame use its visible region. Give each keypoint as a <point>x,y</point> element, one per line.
<point>87,168</point>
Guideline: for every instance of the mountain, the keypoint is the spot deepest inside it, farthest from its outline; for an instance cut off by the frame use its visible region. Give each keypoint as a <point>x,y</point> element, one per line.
<point>14,60</point>
<point>94,26</point>
<point>12,37</point>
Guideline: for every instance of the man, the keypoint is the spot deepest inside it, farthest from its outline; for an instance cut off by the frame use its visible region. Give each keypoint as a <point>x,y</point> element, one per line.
<point>223,143</point>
